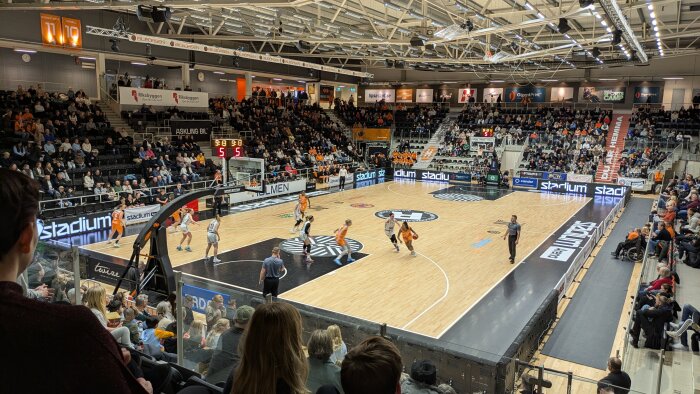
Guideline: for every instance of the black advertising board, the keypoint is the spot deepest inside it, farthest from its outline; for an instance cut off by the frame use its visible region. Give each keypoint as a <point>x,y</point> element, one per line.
<point>199,130</point>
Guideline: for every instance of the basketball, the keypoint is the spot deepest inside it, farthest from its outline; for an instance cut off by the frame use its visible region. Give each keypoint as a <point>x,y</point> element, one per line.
<point>415,236</point>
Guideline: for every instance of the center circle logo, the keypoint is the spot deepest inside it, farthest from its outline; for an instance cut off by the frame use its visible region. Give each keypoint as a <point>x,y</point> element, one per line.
<point>321,246</point>
<point>407,215</point>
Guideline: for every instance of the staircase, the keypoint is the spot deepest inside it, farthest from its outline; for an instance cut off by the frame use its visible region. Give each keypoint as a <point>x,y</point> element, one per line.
<point>614,145</point>
<point>114,118</point>
<point>430,150</point>
<point>345,128</point>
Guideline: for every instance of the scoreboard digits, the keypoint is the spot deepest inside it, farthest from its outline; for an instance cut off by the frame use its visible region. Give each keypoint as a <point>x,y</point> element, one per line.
<point>227,147</point>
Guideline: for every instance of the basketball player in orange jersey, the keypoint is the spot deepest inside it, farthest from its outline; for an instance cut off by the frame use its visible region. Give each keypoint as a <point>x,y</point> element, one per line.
<point>118,225</point>
<point>408,235</point>
<point>176,217</point>
<point>304,203</point>
<point>340,239</point>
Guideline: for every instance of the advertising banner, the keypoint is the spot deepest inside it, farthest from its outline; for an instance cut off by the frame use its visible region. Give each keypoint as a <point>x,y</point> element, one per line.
<point>585,189</point>
<point>486,143</point>
<point>424,95</point>
<point>105,271</point>
<point>579,177</point>
<point>557,176</point>
<point>140,214</point>
<point>560,94</point>
<point>647,95</point>
<point>592,94</point>
<point>465,94</point>
<point>527,183</point>
<point>445,94</point>
<point>491,95</point>
<point>69,226</point>
<point>638,184</point>
<point>199,130</point>
<point>516,95</point>
<point>423,176</point>
<point>368,175</point>
<point>334,181</point>
<point>275,189</point>
<point>201,297</point>
<point>162,98</point>
<point>377,95</point>
<point>404,95</point>
<point>326,93</point>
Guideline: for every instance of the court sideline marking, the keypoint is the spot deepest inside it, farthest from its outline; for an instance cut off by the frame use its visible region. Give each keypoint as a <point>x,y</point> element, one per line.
<point>509,272</point>
<point>439,300</point>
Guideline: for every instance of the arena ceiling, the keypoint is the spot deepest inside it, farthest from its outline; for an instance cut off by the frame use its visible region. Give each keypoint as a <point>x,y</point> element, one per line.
<point>439,35</point>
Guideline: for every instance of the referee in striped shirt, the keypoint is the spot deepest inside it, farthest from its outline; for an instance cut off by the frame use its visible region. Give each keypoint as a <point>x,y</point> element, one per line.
<point>272,269</point>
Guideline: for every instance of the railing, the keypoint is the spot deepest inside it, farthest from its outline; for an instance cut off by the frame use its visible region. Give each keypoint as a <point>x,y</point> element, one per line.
<point>140,137</point>
<point>555,104</point>
<point>62,203</point>
<point>12,84</point>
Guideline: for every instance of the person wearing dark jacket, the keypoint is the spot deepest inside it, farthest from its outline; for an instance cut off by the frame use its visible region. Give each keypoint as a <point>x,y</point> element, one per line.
<point>74,331</point>
<point>226,355</point>
<point>617,379</point>
<point>652,321</point>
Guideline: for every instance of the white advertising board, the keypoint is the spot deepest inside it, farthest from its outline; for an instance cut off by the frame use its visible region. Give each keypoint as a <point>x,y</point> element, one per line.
<point>163,98</point>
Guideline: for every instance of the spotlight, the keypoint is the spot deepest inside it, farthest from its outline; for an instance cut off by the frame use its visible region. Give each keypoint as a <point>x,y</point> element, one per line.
<point>563,26</point>
<point>468,25</point>
<point>595,52</point>
<point>585,3</point>
<point>115,46</point>
<point>617,37</point>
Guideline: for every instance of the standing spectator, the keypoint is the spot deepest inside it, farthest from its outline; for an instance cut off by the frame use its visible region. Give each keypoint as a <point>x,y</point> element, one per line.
<point>272,354</point>
<point>373,366</point>
<point>339,347</point>
<point>215,310</point>
<point>74,331</point>
<point>617,379</point>
<point>226,355</point>
<point>322,371</point>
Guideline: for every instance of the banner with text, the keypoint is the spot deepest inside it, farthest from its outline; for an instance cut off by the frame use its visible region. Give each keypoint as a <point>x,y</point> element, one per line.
<point>163,98</point>
<point>516,95</point>
<point>271,190</point>
<point>377,95</point>
<point>637,184</point>
<point>610,164</point>
<point>424,95</point>
<point>592,94</point>
<point>485,143</point>
<point>199,130</point>
<point>647,95</point>
<point>140,214</point>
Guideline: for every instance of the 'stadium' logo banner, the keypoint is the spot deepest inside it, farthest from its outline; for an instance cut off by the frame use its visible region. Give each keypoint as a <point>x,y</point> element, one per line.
<point>372,174</point>
<point>140,214</point>
<point>66,227</point>
<point>570,241</point>
<point>585,189</point>
<point>420,175</point>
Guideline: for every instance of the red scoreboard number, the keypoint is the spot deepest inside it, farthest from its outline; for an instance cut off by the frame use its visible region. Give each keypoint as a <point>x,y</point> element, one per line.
<point>227,147</point>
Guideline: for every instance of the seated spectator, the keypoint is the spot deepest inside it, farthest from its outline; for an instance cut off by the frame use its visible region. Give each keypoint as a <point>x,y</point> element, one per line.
<point>690,319</point>
<point>631,240</point>
<point>322,371</point>
<point>74,333</point>
<point>373,366</point>
<point>133,325</point>
<point>339,348</point>
<point>652,321</point>
<point>96,300</point>
<point>226,354</point>
<point>423,380</point>
<point>214,334</point>
<point>164,311</point>
<point>617,379</point>
<point>272,354</point>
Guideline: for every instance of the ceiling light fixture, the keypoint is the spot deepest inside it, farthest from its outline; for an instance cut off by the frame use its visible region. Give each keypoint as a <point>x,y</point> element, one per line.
<point>138,64</point>
<point>25,50</point>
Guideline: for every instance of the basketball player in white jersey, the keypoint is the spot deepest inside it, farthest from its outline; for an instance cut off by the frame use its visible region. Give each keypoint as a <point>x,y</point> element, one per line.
<point>305,235</point>
<point>298,216</point>
<point>185,221</point>
<point>213,238</point>
<point>389,225</point>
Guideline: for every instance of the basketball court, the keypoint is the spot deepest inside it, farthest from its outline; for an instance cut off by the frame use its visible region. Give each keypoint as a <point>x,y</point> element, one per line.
<point>461,258</point>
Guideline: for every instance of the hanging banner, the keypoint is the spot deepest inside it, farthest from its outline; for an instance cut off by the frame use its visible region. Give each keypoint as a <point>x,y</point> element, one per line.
<point>162,98</point>
<point>579,177</point>
<point>592,94</point>
<point>377,95</point>
<point>491,95</point>
<point>637,184</point>
<point>199,130</point>
<point>465,94</point>
<point>424,95</point>
<point>516,95</point>
<point>562,94</point>
<point>140,214</point>
<point>404,95</point>
<point>326,93</point>
<point>647,95</point>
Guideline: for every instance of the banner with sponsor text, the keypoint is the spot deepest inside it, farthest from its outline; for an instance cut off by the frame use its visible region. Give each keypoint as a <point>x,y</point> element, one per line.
<point>163,98</point>
<point>140,214</point>
<point>377,95</point>
<point>271,190</point>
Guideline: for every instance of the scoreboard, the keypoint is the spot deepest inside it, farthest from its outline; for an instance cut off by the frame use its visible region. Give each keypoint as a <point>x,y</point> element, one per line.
<point>227,147</point>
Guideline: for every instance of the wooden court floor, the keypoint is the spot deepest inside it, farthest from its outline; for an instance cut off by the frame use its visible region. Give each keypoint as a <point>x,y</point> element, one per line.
<point>461,255</point>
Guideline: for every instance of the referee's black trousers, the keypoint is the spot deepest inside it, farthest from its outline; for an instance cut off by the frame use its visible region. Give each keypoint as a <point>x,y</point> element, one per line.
<point>511,245</point>
<point>270,286</point>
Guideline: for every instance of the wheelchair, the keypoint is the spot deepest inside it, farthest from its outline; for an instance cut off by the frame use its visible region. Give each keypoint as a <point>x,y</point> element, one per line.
<point>634,253</point>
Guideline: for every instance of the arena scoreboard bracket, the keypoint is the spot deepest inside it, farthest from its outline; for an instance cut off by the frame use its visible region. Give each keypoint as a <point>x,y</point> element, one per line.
<point>227,147</point>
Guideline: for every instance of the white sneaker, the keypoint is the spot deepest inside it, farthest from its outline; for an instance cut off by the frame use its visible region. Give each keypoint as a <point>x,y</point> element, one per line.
<point>216,260</point>
<point>679,346</point>
<point>674,326</point>
<point>413,254</point>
